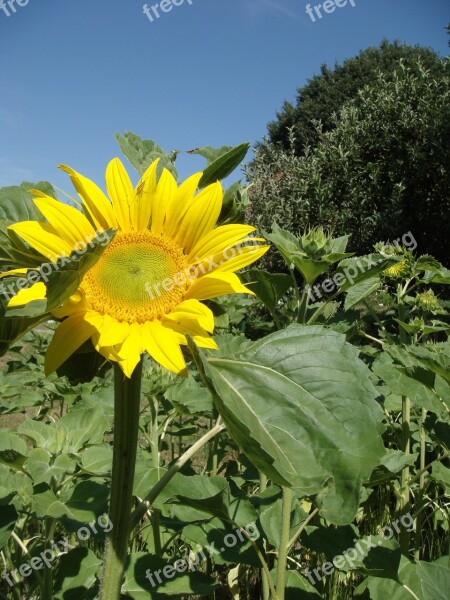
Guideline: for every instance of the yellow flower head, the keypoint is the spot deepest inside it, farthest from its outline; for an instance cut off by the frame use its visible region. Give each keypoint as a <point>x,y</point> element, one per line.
<point>397,270</point>
<point>144,292</point>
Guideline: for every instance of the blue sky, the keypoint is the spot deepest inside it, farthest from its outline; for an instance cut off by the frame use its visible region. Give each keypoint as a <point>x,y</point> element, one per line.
<point>214,72</point>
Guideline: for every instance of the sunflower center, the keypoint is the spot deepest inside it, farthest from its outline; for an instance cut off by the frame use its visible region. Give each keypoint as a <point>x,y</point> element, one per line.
<point>139,277</point>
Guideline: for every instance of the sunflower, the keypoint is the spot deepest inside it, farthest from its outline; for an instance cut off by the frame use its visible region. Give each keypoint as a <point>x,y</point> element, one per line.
<point>144,293</point>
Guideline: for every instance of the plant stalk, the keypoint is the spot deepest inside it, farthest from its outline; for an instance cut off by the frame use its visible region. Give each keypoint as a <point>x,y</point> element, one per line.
<point>127,394</point>
<point>283,550</point>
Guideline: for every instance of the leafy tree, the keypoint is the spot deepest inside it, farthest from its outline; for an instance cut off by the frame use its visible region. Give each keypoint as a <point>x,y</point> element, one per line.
<point>324,95</point>
<point>381,172</point>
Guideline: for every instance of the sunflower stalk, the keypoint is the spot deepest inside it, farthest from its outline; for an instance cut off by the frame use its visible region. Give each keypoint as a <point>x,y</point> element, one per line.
<point>283,550</point>
<point>127,394</point>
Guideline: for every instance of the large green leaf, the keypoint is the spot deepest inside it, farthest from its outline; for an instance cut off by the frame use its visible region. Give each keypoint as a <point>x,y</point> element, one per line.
<point>435,580</point>
<point>300,404</point>
<point>426,581</point>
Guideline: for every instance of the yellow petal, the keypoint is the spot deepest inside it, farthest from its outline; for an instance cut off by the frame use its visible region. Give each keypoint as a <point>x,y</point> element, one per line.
<point>181,201</point>
<point>109,331</point>
<point>69,336</point>
<point>42,237</point>
<point>131,349</point>
<point>143,193</point>
<point>216,284</point>
<point>192,310</point>
<point>192,328</point>
<point>162,198</point>
<point>246,255</point>
<point>75,304</point>
<point>14,272</point>
<point>69,222</point>
<point>218,240</point>
<point>201,216</point>
<point>120,191</point>
<point>38,291</point>
<point>162,345</point>
<point>97,204</point>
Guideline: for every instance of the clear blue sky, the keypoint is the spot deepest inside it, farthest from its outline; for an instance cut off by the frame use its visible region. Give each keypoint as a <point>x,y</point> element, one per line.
<point>73,72</point>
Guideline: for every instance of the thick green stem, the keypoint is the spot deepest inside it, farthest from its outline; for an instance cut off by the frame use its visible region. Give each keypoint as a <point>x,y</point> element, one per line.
<point>126,429</point>
<point>47,579</point>
<point>283,550</point>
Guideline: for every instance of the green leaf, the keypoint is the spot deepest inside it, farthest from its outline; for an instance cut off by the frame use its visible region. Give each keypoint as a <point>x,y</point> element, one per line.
<point>299,588</point>
<point>206,494</point>
<point>300,404</point>
<point>400,382</point>
<point>269,288</point>
<point>441,474</point>
<point>329,540</point>
<point>224,165</point>
<point>395,460</point>
<point>428,581</point>
<point>358,292</point>
<point>88,501</point>
<point>173,585</point>
<point>435,579</point>
<point>141,153</point>
<point>11,441</point>
<point>224,542</point>
<point>12,483</point>
<point>16,202</point>
<point>211,154</point>
<point>190,397</point>
<point>12,329</point>
<point>75,574</point>
<point>43,467</point>
<point>97,460</point>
